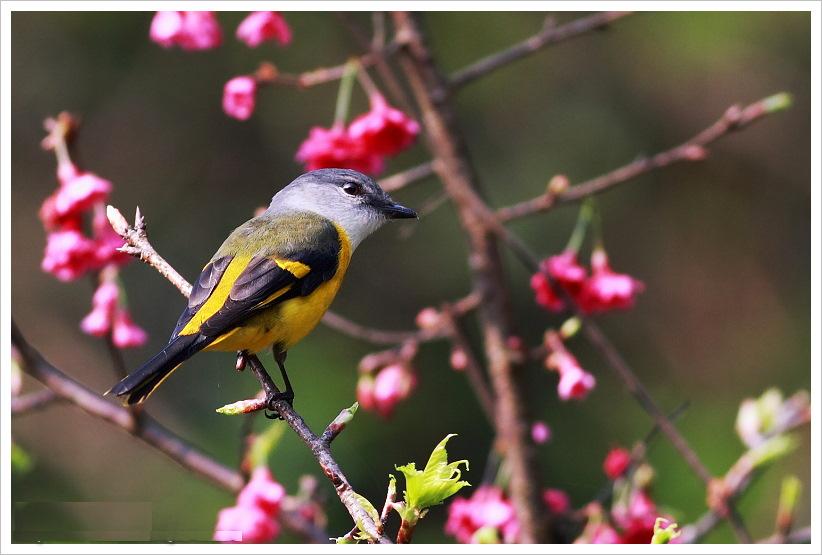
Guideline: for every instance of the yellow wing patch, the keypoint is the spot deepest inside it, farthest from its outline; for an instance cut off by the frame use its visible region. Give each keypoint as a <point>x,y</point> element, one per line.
<point>218,297</point>
<point>298,269</point>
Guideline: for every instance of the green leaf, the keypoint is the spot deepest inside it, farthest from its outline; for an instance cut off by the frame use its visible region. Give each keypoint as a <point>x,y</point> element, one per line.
<point>265,443</point>
<point>433,485</point>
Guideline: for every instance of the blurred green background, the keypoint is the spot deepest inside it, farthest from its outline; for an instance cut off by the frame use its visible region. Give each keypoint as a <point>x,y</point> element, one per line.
<point>722,246</point>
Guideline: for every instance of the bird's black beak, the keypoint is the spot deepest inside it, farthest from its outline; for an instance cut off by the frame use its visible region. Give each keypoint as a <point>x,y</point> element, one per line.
<point>394,211</point>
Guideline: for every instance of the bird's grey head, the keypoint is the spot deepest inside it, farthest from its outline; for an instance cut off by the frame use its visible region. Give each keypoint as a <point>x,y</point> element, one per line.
<point>346,197</point>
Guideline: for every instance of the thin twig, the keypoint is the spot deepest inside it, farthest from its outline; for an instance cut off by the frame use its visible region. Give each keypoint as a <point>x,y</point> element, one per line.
<point>269,74</point>
<point>735,118</point>
<point>139,247</point>
<point>803,535</point>
<point>33,401</point>
<point>384,337</point>
<point>547,36</point>
<point>406,177</point>
<point>473,369</point>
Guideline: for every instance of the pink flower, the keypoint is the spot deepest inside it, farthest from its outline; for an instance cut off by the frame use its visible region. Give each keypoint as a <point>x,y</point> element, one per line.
<point>188,30</point>
<point>365,392</point>
<point>607,290</point>
<point>259,27</point>
<point>262,492</point>
<point>335,148</point>
<point>104,304</point>
<point>556,500</point>
<point>616,462</point>
<point>125,333</point>
<point>107,241</point>
<point>636,518</point>
<point>69,254</point>
<point>566,271</point>
<point>245,524</point>
<point>544,294</point>
<point>78,192</point>
<point>384,130</point>
<point>239,97</point>
<point>540,432</point>
<point>392,384</point>
<point>487,507</point>
<point>574,382</point>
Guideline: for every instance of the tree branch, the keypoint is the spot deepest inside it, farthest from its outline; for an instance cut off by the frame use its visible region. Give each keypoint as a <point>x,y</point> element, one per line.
<point>33,401</point>
<point>399,180</point>
<point>268,72</point>
<point>735,118</point>
<point>149,430</point>
<point>549,35</point>
<point>457,175</point>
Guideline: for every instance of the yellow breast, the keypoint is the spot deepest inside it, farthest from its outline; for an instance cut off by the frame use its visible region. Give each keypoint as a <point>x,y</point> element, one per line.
<point>286,323</point>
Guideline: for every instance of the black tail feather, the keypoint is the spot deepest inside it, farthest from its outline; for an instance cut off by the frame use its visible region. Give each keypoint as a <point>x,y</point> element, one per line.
<point>141,383</point>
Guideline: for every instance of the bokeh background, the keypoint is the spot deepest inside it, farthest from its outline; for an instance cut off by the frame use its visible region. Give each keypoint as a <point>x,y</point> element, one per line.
<point>722,246</point>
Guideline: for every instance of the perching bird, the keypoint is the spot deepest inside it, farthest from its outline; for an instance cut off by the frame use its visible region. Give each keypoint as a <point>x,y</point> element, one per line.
<point>271,281</point>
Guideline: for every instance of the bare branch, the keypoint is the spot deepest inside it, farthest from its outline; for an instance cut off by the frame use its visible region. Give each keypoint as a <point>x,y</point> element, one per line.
<point>399,180</point>
<point>138,246</point>
<point>268,73</point>
<point>33,401</point>
<point>548,36</point>
<point>149,431</point>
<point>735,118</point>
<point>460,182</point>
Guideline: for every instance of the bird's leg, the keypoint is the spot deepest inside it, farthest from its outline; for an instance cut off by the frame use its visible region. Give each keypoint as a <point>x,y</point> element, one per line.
<point>272,394</point>
<point>288,394</point>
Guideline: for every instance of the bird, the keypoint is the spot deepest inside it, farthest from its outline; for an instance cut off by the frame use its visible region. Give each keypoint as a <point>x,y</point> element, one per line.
<point>273,278</point>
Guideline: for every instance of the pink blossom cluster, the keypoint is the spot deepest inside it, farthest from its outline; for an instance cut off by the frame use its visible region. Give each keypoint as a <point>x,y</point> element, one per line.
<point>488,507</point>
<point>632,514</point>
<point>109,317</point>
<point>489,510</point>
<point>602,291</point>
<point>364,144</point>
<point>71,254</point>
<point>381,392</point>
<point>201,31</point>
<point>253,518</point>
<point>187,30</point>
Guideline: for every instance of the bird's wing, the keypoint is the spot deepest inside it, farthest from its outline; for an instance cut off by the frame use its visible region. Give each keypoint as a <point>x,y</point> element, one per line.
<point>233,287</point>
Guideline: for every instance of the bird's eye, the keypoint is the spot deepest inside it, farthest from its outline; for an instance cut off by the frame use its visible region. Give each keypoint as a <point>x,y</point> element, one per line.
<point>353,189</point>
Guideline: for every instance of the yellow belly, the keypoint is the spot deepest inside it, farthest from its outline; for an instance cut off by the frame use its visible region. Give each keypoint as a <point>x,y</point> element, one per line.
<point>286,323</point>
